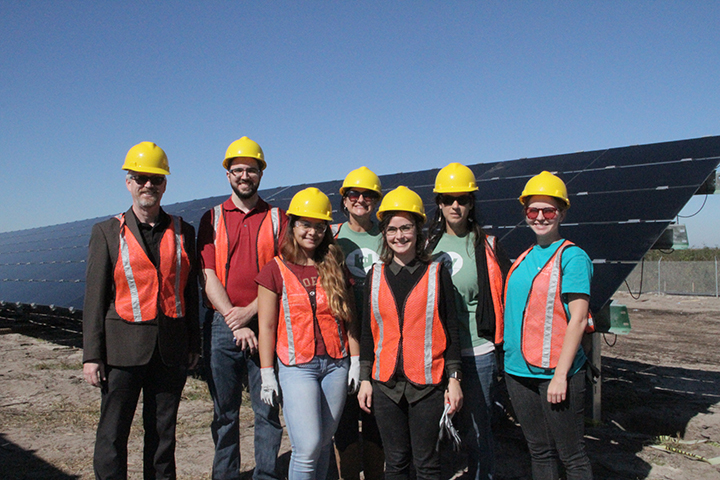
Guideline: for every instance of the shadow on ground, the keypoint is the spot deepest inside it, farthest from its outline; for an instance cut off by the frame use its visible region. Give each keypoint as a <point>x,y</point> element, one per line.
<point>19,464</point>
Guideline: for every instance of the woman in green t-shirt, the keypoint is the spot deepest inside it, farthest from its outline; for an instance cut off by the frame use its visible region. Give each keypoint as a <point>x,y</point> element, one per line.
<point>478,268</point>
<point>360,240</point>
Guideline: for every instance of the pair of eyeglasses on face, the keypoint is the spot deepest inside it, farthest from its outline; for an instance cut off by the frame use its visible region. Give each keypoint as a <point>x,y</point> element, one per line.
<point>307,226</point>
<point>143,179</point>
<point>406,229</point>
<point>250,172</point>
<point>462,200</point>
<point>548,212</point>
<point>355,195</point>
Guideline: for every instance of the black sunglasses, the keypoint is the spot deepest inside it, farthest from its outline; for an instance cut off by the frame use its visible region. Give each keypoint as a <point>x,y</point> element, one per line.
<point>462,200</point>
<point>143,179</point>
<point>354,195</point>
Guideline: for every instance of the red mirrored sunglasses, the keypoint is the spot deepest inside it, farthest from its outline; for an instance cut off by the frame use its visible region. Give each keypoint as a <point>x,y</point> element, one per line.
<point>548,212</point>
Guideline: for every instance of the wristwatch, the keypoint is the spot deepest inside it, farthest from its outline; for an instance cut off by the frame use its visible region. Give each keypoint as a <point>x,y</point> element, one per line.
<point>457,375</point>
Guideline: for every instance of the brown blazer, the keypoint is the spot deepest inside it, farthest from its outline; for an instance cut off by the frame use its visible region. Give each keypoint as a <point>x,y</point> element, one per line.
<point>114,341</point>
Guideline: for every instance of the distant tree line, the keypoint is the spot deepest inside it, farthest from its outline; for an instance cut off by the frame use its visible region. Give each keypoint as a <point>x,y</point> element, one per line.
<point>689,255</point>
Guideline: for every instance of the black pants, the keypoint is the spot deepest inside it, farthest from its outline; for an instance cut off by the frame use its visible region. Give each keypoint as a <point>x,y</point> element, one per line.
<point>161,386</point>
<point>409,432</point>
<point>553,431</point>
<point>348,433</point>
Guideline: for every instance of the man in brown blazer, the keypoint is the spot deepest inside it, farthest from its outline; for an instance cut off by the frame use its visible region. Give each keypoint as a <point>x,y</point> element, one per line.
<point>140,319</point>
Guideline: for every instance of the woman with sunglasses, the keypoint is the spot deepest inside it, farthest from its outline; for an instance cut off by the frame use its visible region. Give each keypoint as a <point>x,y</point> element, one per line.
<point>409,355</point>
<point>304,310</point>
<point>546,314</point>
<point>478,267</point>
<point>360,240</point>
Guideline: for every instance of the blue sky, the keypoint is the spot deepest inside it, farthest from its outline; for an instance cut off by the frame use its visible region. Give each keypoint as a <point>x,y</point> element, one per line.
<point>325,87</point>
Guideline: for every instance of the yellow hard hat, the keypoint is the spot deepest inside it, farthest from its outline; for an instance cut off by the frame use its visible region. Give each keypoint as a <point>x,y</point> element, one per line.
<point>244,147</point>
<point>312,203</point>
<point>362,177</point>
<point>401,199</point>
<point>146,157</point>
<point>545,183</point>
<point>455,178</point>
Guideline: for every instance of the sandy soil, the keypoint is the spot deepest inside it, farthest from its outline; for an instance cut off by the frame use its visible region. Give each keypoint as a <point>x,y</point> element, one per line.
<point>661,379</point>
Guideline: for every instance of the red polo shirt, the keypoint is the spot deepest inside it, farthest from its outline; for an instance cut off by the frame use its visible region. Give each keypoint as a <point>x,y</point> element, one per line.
<point>242,232</point>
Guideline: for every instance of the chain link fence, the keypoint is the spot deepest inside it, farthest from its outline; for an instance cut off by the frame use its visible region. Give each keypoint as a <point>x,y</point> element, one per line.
<point>677,278</point>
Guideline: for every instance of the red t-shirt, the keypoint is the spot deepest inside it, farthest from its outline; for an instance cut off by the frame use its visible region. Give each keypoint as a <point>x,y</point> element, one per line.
<point>271,278</point>
<point>242,234</point>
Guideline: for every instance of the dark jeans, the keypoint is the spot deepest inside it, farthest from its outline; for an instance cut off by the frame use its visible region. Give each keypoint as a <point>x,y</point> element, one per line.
<point>474,418</point>
<point>226,366</point>
<point>409,432</point>
<point>552,431</point>
<point>162,387</point>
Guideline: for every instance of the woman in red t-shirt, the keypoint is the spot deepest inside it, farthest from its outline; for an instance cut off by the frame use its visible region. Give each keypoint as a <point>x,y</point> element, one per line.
<point>304,308</point>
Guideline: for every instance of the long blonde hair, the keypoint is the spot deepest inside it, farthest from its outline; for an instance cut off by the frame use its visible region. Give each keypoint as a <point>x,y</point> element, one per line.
<point>329,261</point>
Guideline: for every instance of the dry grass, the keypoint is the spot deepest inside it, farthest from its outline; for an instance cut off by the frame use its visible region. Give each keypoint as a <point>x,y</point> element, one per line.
<point>56,415</point>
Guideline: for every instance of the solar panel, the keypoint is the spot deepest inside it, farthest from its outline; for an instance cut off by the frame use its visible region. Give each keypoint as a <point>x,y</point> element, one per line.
<point>622,200</point>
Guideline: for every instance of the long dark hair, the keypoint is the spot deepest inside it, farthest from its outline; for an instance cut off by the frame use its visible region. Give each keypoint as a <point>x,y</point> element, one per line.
<point>436,228</point>
<point>386,253</point>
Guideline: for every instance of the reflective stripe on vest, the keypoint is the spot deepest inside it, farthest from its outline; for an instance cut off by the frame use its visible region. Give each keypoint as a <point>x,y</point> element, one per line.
<point>266,244</point>
<point>496,287</point>
<point>544,318</point>
<point>335,228</point>
<point>295,343</point>
<point>221,242</point>
<point>423,336</point>
<point>139,286</point>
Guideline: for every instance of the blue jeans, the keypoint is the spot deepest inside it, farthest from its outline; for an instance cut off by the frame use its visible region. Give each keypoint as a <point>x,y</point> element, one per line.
<point>226,366</point>
<point>552,431</point>
<point>314,395</point>
<point>474,418</point>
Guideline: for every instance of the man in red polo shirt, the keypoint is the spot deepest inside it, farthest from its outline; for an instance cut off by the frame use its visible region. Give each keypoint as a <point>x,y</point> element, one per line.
<point>235,240</point>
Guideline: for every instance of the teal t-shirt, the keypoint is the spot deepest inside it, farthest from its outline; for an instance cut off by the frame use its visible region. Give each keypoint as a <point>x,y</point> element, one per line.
<point>577,273</point>
<point>458,255</point>
<point>361,250</point>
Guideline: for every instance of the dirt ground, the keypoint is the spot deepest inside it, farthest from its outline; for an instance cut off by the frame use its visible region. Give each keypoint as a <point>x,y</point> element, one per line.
<point>663,379</point>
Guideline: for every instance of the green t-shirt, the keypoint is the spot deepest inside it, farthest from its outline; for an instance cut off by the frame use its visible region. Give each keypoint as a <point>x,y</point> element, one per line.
<point>361,250</point>
<point>458,254</point>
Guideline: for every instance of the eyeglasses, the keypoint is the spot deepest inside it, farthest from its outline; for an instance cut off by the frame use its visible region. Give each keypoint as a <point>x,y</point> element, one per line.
<point>406,229</point>
<point>548,212</point>
<point>307,226</point>
<point>354,195</point>
<point>250,171</point>
<point>462,200</point>
<point>143,179</point>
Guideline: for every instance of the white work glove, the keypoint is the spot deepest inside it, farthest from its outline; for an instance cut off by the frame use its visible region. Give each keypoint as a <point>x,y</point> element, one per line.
<point>448,431</point>
<point>269,389</point>
<point>354,375</point>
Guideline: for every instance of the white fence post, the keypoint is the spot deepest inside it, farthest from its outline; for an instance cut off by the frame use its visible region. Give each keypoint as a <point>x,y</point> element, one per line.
<point>659,260</point>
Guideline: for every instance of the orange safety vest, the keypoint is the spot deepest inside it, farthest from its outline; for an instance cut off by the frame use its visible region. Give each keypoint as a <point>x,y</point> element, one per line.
<point>423,335</point>
<point>335,229</point>
<point>544,325</point>
<point>295,342</point>
<point>496,287</point>
<point>140,287</point>
<point>266,246</point>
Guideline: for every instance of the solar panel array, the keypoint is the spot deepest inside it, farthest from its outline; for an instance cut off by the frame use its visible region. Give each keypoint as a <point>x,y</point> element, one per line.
<point>622,199</point>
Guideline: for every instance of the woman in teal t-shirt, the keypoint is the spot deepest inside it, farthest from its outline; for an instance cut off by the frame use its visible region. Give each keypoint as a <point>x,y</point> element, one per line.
<point>546,314</point>
<point>477,267</point>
